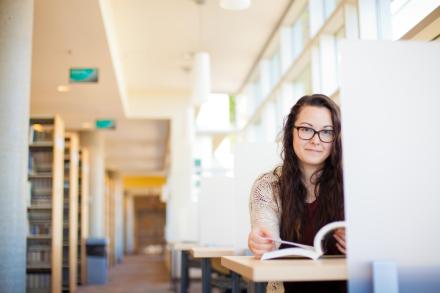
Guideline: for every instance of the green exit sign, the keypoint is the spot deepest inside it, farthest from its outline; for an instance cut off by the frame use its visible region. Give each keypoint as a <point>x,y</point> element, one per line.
<point>79,75</point>
<point>105,124</point>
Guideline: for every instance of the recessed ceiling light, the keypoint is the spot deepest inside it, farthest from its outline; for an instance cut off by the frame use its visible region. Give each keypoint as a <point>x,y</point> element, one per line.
<point>87,125</point>
<point>63,88</point>
<point>188,56</point>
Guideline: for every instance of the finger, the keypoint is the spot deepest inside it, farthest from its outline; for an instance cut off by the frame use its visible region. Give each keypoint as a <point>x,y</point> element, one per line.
<point>341,232</point>
<point>260,239</point>
<point>260,232</point>
<point>340,240</point>
<point>340,248</point>
<point>263,232</point>
<point>258,253</point>
<point>261,246</point>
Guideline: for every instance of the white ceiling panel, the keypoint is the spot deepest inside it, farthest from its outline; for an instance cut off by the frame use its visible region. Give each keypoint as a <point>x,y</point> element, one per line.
<point>154,41</point>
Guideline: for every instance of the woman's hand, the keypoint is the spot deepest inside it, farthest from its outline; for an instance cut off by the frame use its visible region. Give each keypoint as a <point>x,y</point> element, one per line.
<point>257,244</point>
<point>340,240</point>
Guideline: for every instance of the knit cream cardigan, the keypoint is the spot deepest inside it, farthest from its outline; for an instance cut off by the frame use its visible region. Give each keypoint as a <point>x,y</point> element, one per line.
<point>265,211</point>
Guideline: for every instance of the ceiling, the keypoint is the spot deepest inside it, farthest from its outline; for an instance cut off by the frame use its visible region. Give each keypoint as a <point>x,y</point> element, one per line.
<point>143,49</point>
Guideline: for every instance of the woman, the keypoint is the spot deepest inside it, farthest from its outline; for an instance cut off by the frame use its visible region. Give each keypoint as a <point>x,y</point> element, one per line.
<point>296,199</point>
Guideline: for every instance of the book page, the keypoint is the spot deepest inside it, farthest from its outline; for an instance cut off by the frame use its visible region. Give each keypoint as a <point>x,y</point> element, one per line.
<point>290,253</point>
<point>317,242</point>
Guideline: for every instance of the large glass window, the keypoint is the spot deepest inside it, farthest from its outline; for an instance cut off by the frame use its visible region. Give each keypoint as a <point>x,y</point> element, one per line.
<point>300,33</point>
<point>339,36</point>
<point>280,112</point>
<point>302,85</point>
<point>268,122</point>
<point>214,114</point>
<point>255,91</point>
<point>405,14</point>
<point>275,67</point>
<point>242,109</point>
<point>329,7</point>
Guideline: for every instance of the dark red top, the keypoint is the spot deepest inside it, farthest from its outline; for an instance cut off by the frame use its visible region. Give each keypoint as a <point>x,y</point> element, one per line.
<point>310,225</point>
<point>309,230</point>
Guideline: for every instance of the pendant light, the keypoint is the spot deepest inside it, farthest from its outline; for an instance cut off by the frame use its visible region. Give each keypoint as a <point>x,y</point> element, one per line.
<point>201,77</point>
<point>235,4</point>
<point>201,69</point>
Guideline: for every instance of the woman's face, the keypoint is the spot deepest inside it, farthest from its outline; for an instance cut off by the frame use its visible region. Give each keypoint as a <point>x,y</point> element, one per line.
<point>313,152</point>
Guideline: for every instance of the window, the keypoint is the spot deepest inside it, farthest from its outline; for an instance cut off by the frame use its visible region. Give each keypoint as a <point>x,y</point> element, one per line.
<point>214,114</point>
<point>275,67</point>
<point>405,14</point>
<point>300,33</point>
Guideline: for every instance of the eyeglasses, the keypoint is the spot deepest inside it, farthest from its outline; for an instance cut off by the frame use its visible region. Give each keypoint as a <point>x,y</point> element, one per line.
<point>307,133</point>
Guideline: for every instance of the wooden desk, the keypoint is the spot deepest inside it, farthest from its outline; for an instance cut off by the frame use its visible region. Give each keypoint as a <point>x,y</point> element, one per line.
<point>184,249</point>
<point>206,253</point>
<point>289,270</point>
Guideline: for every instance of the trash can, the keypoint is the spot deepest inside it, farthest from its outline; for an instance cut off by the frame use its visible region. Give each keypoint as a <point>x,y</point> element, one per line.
<point>97,265</point>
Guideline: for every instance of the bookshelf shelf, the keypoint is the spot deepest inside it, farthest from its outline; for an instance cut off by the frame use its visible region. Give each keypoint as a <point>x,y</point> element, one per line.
<point>43,145</point>
<point>70,222</point>
<point>45,210</point>
<point>38,237</point>
<point>38,268</point>
<point>83,212</point>
<point>40,175</point>
<point>40,207</point>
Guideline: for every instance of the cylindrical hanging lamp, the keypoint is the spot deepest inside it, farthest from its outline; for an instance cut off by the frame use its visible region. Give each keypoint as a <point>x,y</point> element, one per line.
<point>202,78</point>
<point>235,4</point>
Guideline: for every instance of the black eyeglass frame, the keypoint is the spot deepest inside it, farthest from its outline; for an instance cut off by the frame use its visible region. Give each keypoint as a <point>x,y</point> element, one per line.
<point>298,128</point>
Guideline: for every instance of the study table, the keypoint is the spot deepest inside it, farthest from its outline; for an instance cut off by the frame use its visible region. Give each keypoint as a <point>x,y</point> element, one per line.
<point>288,270</point>
<point>206,254</point>
<point>184,249</point>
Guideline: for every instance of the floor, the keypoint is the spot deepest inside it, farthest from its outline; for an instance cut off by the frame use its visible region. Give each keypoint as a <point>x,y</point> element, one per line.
<point>138,273</point>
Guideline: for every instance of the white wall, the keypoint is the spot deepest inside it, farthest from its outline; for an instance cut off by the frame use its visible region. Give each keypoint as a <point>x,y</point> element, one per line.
<point>182,211</point>
<point>251,160</point>
<point>390,97</point>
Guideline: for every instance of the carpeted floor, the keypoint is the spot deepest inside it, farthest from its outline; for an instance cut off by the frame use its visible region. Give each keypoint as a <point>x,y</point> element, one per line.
<point>138,273</point>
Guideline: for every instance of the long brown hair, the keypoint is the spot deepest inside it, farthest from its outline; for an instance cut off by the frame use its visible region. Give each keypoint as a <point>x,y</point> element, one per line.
<point>329,181</point>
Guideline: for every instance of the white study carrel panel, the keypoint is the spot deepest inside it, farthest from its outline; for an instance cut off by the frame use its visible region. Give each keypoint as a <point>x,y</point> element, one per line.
<point>390,101</point>
<point>216,201</point>
<point>251,160</point>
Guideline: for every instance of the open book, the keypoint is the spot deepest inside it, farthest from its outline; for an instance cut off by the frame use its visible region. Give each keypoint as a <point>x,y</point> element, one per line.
<point>300,250</point>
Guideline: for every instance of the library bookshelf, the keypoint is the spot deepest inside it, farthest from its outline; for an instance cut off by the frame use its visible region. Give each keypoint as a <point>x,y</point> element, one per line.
<point>83,214</point>
<point>45,205</point>
<point>70,221</point>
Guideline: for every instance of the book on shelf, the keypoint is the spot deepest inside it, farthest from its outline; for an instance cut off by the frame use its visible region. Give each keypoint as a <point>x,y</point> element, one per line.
<point>40,162</point>
<point>40,192</point>
<point>40,133</point>
<point>40,228</point>
<point>38,281</point>
<point>306,251</point>
<point>38,254</point>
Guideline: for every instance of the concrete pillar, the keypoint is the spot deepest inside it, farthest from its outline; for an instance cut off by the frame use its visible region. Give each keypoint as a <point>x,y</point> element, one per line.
<point>119,217</point>
<point>129,224</point>
<point>182,215</point>
<point>94,142</point>
<point>16,18</point>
